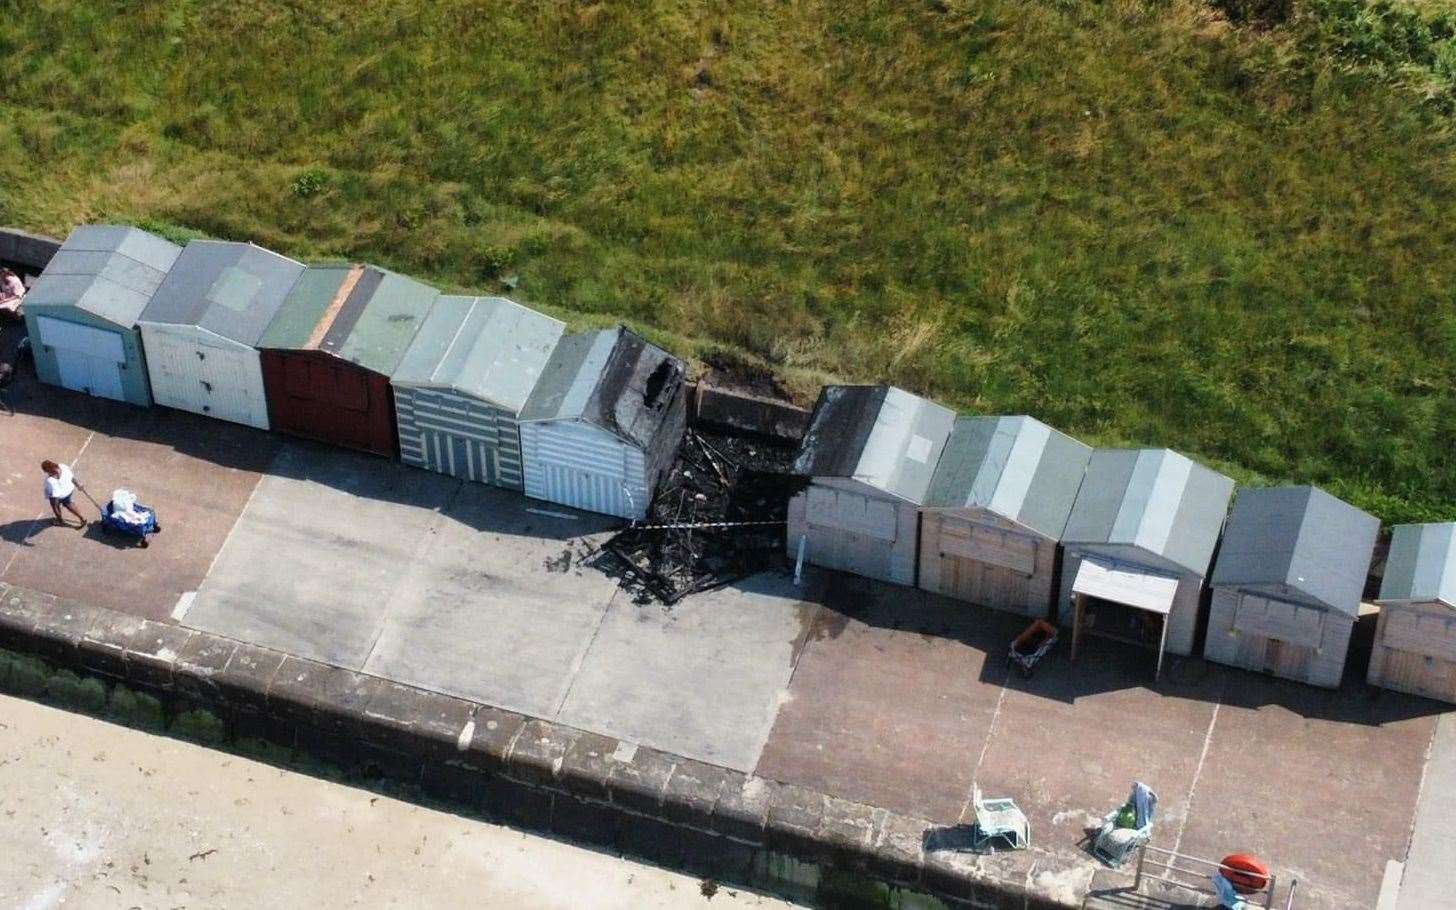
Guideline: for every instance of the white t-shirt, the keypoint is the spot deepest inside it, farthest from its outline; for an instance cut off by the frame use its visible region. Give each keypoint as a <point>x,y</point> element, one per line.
<point>62,486</point>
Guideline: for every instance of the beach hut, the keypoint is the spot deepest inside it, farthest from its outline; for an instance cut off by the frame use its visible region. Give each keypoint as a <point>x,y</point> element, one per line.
<point>1415,637</point>
<point>1287,583</point>
<point>1138,545</point>
<point>995,511</point>
<point>462,383</point>
<point>81,313</point>
<point>870,453</point>
<point>201,329</point>
<point>603,424</point>
<point>331,348</point>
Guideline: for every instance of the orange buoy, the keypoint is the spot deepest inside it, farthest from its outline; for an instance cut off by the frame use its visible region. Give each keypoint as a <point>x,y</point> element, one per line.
<point>1244,872</point>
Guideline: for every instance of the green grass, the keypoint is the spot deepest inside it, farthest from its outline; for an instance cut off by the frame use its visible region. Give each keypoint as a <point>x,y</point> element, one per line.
<point>1131,219</point>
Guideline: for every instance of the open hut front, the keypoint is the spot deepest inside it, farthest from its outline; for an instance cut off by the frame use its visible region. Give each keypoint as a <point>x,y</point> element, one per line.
<point>461,386</point>
<point>1137,548</point>
<point>81,313</point>
<point>995,512</point>
<point>603,423</point>
<point>870,454</point>
<point>201,329</point>
<point>329,352</point>
<point>1415,639</point>
<point>1287,583</point>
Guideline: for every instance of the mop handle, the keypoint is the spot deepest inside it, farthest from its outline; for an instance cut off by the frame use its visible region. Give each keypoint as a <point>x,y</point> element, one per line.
<point>90,497</point>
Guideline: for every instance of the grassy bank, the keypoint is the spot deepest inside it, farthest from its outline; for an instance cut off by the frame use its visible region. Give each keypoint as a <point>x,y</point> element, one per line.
<point>1132,219</point>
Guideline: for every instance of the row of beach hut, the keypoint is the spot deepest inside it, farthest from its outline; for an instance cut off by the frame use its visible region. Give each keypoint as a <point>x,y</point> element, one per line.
<point>355,355</point>
<point>1133,544</point>
<point>1001,511</point>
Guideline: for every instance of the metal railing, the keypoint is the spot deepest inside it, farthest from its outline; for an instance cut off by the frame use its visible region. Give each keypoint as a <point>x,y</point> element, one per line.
<point>1192,873</point>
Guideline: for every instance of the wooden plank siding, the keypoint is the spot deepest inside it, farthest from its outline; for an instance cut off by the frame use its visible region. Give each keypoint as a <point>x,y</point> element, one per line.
<point>984,561</point>
<point>847,528</point>
<point>1415,650</point>
<point>1295,642</point>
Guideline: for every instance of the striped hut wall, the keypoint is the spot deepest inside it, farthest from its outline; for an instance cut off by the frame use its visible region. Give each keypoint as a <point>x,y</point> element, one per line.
<point>575,464</point>
<point>458,435</point>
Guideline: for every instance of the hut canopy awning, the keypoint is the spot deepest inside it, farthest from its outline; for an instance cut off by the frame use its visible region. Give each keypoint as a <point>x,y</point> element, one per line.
<point>1150,505</point>
<point>1131,585</point>
<point>359,313</point>
<point>108,271</point>
<point>1300,544</point>
<point>1015,467</point>
<point>1421,566</point>
<point>881,436</point>
<point>232,290</point>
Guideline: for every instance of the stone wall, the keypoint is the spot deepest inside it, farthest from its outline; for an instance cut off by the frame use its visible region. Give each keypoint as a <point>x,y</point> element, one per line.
<point>497,764</point>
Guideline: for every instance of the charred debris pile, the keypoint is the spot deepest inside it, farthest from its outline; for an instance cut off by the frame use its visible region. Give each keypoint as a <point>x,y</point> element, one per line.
<point>718,517</point>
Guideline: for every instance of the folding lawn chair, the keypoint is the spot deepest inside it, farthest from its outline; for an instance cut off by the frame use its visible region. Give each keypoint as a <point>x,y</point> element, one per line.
<point>998,820</point>
<point>1114,842</point>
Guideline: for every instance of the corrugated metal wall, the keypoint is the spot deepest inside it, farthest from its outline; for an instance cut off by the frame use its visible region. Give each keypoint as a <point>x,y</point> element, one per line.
<point>458,435</point>
<point>193,370</point>
<point>578,465</point>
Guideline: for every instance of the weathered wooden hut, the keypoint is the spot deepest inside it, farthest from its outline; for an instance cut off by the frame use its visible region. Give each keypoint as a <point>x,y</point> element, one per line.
<point>870,454</point>
<point>331,348</point>
<point>201,329</point>
<point>461,386</point>
<point>995,511</point>
<point>1415,637</point>
<point>1287,583</point>
<point>603,423</point>
<point>1137,547</point>
<point>81,313</point>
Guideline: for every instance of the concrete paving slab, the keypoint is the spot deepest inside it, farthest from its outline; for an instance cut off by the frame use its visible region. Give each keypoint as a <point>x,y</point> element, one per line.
<point>310,567</point>
<point>888,705</point>
<point>494,606</point>
<point>1426,883</point>
<point>195,472</point>
<point>703,679</point>
<point>1320,783</point>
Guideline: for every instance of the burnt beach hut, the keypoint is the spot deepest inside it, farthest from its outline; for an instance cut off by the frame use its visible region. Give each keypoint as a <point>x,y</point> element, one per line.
<point>870,453</point>
<point>81,313</point>
<point>200,331</point>
<point>459,389</point>
<point>995,511</point>
<point>603,423</point>
<point>1137,548</point>
<point>1287,583</point>
<point>331,348</point>
<point>1415,637</point>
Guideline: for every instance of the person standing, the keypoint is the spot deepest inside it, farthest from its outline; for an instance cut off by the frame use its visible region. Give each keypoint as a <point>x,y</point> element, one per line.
<point>7,376</point>
<point>60,486</point>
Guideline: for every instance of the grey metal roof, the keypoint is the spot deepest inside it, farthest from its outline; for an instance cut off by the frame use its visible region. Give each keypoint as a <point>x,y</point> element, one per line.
<point>1421,565</point>
<point>1299,543</point>
<point>1015,467</point>
<point>231,289</point>
<point>613,379</point>
<point>489,348</point>
<point>881,436</point>
<point>1153,502</point>
<point>109,271</point>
